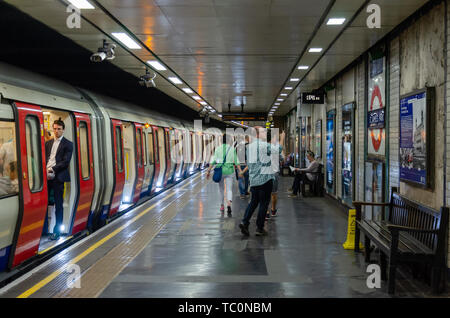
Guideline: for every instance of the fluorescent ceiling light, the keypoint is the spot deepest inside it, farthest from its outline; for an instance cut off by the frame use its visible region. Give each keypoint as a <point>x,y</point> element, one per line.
<point>336,21</point>
<point>127,40</point>
<point>157,66</point>
<point>283,94</point>
<point>315,50</point>
<point>295,79</point>
<point>303,67</point>
<point>175,80</point>
<point>196,97</point>
<point>81,4</point>
<point>203,103</point>
<point>288,87</point>
<point>280,100</point>
<point>187,90</point>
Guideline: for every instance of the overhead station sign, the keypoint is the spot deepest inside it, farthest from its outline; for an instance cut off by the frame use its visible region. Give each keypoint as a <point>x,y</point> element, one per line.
<point>313,98</point>
<point>245,116</point>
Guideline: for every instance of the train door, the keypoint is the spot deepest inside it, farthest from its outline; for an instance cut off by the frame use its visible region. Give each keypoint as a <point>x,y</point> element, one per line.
<point>186,153</point>
<point>32,181</point>
<point>193,152</point>
<point>199,151</point>
<point>162,159</point>
<point>154,140</point>
<point>150,168</point>
<point>140,163</point>
<point>119,171</point>
<point>85,172</point>
<point>173,158</point>
<point>130,164</point>
<point>169,164</point>
<point>179,146</point>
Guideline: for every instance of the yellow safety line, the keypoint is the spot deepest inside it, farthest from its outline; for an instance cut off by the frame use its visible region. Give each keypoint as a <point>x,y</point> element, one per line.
<point>56,273</point>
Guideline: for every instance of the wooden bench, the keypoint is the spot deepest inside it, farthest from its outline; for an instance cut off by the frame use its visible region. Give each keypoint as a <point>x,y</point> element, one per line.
<point>316,186</point>
<point>412,233</point>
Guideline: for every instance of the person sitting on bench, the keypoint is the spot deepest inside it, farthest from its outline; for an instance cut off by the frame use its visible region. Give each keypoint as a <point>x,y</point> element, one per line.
<point>303,175</point>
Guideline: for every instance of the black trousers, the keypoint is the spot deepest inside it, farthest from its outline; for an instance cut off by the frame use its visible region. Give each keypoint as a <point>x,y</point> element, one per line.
<point>298,180</point>
<point>58,192</point>
<point>261,197</point>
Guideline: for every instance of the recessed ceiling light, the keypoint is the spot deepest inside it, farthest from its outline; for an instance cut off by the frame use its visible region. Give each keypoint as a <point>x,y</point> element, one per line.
<point>127,40</point>
<point>196,97</point>
<point>175,80</point>
<point>280,100</point>
<point>295,79</point>
<point>81,4</point>
<point>303,67</point>
<point>336,21</point>
<point>277,104</point>
<point>288,87</point>
<point>315,50</point>
<point>188,90</point>
<point>156,65</point>
<point>283,94</point>
<point>203,103</point>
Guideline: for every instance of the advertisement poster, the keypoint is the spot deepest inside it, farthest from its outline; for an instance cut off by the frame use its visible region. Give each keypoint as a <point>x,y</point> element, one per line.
<point>413,145</point>
<point>376,145</point>
<point>347,125</point>
<point>330,151</point>
<point>318,136</point>
<point>374,189</point>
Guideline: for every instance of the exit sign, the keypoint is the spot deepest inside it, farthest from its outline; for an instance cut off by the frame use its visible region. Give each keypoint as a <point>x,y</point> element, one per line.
<point>313,98</point>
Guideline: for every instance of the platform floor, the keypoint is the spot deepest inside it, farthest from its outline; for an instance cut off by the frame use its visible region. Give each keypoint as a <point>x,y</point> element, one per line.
<point>179,245</point>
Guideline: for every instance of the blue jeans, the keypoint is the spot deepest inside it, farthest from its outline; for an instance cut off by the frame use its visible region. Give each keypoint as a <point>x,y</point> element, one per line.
<point>243,183</point>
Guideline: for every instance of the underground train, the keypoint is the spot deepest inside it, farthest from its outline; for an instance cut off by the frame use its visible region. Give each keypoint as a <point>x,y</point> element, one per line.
<point>123,155</point>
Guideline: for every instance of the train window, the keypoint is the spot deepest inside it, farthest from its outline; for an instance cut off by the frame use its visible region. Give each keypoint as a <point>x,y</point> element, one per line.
<point>84,151</point>
<point>9,179</point>
<point>150,148</point>
<point>139,147</point>
<point>144,143</point>
<point>119,149</point>
<point>34,157</point>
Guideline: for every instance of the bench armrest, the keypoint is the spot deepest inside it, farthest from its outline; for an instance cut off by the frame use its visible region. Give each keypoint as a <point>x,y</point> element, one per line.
<point>393,227</point>
<point>355,203</point>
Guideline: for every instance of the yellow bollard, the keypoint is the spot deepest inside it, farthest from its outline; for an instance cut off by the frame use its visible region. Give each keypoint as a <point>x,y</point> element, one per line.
<point>350,242</point>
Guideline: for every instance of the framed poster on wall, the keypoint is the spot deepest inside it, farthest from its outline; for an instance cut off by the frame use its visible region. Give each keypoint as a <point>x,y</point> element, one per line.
<point>347,153</point>
<point>318,138</point>
<point>330,151</point>
<point>416,137</point>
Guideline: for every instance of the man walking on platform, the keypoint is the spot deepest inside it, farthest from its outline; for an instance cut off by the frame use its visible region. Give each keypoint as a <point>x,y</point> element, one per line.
<point>261,176</point>
<point>58,153</point>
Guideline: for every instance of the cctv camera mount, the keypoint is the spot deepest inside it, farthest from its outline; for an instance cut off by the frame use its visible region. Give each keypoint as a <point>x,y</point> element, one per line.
<point>147,80</point>
<point>105,52</point>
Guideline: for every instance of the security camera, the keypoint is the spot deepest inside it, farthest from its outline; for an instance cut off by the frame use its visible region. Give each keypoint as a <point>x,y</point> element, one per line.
<point>105,52</point>
<point>147,80</point>
<point>98,57</point>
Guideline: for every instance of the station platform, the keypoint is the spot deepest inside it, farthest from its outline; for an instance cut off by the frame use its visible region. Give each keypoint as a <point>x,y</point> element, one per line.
<point>179,245</point>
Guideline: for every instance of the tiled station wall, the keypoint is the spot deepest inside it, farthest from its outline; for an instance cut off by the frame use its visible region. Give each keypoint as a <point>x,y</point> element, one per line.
<point>416,58</point>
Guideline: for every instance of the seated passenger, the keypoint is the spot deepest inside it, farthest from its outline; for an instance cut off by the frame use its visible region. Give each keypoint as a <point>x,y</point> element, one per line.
<point>302,175</point>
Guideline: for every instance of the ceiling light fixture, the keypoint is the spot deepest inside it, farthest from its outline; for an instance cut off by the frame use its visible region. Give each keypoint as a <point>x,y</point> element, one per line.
<point>156,65</point>
<point>336,21</point>
<point>196,97</point>
<point>81,4</point>
<point>303,67</point>
<point>315,50</point>
<point>295,79</point>
<point>288,87</point>
<point>127,40</point>
<point>277,104</point>
<point>283,94</point>
<point>188,90</point>
<point>175,80</point>
<point>280,100</point>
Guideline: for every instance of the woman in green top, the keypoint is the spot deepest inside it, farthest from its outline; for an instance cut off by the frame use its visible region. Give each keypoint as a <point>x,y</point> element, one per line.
<point>228,152</point>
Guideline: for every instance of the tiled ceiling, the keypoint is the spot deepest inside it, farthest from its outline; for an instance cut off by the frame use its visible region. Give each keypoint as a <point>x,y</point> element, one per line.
<point>228,51</point>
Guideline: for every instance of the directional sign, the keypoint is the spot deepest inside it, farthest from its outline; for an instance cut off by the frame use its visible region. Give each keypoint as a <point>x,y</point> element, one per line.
<point>313,98</point>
